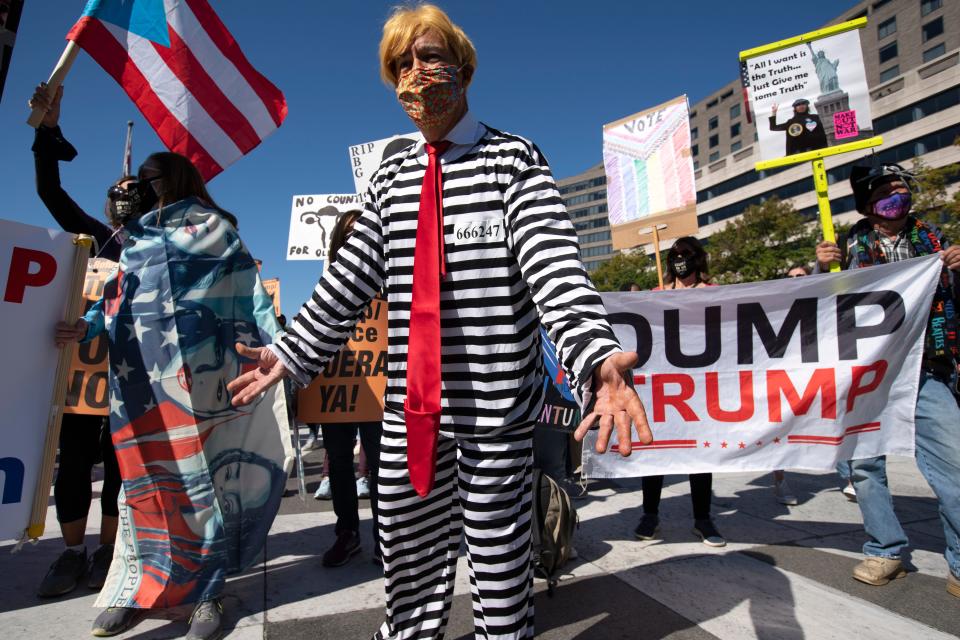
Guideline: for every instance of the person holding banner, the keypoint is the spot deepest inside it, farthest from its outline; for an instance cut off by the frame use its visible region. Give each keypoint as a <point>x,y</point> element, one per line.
<point>686,269</point>
<point>890,232</point>
<point>202,481</point>
<point>468,235</point>
<point>84,440</point>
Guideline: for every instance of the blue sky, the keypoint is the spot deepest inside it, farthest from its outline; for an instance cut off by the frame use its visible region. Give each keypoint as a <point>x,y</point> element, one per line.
<point>554,72</point>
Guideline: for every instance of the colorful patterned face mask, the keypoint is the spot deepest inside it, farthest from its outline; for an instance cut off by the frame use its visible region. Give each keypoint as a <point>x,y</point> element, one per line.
<point>893,207</point>
<point>430,95</point>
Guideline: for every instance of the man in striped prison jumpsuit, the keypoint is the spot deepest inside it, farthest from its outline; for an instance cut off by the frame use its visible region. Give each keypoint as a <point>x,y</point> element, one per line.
<point>506,261</point>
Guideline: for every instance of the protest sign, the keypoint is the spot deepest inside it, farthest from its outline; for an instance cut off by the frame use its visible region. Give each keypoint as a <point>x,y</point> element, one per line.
<point>312,219</point>
<point>809,96</point>
<point>272,286</point>
<point>351,386</point>
<point>40,276</point>
<point>560,409</point>
<point>649,169</point>
<point>366,158</point>
<point>801,373</point>
<point>87,386</point>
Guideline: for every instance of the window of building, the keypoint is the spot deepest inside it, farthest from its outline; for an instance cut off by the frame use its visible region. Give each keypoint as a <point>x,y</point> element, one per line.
<point>694,133</point>
<point>714,156</point>
<point>726,94</point>
<point>713,122</point>
<point>929,6</point>
<point>856,16</point>
<point>932,29</point>
<point>889,52</point>
<point>735,111</point>
<point>735,130</point>
<point>693,114</point>
<point>879,3</point>
<point>736,146</point>
<point>696,165</point>
<point>935,52</point>
<point>887,28</point>
<point>712,103</point>
<point>695,149</point>
<point>714,140</point>
<point>890,74</point>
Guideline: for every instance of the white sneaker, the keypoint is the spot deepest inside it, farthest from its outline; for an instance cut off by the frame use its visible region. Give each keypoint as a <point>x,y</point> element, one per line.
<point>323,491</point>
<point>363,487</point>
<point>310,444</point>
<point>850,493</point>
<point>784,494</point>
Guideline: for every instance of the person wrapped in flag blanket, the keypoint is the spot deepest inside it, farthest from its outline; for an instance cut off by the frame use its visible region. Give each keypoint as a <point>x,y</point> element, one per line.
<point>202,480</point>
<point>468,234</point>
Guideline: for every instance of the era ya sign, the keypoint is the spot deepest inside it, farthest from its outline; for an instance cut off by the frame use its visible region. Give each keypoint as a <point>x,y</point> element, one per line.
<point>794,373</point>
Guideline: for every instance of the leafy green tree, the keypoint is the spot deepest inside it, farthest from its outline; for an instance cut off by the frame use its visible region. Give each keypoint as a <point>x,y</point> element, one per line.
<point>932,202</point>
<point>625,269</point>
<point>762,244</point>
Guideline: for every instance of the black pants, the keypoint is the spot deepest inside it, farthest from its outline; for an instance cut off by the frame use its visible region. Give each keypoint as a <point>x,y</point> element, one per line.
<point>85,441</point>
<point>551,452</point>
<point>701,488</point>
<point>338,441</point>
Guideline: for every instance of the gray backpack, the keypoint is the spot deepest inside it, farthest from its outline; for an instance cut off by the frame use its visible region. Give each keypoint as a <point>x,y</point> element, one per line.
<point>554,520</point>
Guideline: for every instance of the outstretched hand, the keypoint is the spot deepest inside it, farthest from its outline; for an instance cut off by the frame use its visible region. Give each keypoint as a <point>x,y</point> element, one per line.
<point>617,404</point>
<point>245,388</point>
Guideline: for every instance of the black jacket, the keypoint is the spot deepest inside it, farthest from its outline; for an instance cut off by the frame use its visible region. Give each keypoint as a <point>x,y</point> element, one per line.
<point>804,132</point>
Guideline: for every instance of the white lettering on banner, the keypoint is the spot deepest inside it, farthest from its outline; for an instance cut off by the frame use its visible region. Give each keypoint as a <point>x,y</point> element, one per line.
<point>479,231</point>
<point>798,373</point>
<point>35,279</point>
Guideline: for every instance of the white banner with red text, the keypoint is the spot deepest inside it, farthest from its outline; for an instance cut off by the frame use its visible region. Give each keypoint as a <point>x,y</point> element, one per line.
<point>787,374</point>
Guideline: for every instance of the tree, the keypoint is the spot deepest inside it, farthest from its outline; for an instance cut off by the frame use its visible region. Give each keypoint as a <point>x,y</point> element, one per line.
<point>762,244</point>
<point>931,201</point>
<point>625,269</point>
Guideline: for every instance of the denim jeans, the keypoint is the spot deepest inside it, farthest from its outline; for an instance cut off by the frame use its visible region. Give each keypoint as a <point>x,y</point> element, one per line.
<point>938,458</point>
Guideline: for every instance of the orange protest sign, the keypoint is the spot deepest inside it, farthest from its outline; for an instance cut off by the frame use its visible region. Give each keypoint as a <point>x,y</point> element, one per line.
<point>87,386</point>
<point>272,286</point>
<point>351,387</point>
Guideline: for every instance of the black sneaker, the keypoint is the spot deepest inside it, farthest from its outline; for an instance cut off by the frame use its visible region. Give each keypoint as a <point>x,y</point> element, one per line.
<point>647,529</point>
<point>99,566</point>
<point>347,545</point>
<point>64,574</point>
<point>115,620</point>
<point>206,621</point>
<point>708,533</point>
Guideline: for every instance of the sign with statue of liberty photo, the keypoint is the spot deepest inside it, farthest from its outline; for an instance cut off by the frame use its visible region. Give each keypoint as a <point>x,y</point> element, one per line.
<point>809,96</point>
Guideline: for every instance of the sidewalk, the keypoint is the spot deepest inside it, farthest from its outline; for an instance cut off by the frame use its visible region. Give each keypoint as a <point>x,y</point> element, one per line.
<point>785,574</point>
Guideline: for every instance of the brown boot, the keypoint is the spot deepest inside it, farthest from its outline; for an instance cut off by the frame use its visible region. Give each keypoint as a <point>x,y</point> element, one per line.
<point>953,584</point>
<point>878,571</point>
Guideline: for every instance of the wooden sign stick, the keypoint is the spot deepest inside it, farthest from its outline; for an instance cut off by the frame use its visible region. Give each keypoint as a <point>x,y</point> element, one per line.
<point>56,79</point>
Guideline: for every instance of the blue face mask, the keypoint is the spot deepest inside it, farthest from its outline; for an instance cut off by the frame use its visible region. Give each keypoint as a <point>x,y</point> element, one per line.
<point>893,207</point>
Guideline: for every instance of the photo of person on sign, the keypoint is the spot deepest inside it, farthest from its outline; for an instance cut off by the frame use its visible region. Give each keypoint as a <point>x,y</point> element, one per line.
<point>804,130</point>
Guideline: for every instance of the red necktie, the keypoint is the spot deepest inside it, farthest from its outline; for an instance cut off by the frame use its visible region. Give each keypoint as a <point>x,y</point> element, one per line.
<point>422,407</point>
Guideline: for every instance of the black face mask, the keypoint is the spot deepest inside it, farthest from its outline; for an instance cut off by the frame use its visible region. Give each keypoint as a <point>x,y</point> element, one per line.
<point>148,197</point>
<point>125,204</point>
<point>681,266</point>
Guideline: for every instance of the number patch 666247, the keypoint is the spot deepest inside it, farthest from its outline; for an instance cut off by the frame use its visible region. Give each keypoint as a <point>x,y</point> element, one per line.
<point>479,231</point>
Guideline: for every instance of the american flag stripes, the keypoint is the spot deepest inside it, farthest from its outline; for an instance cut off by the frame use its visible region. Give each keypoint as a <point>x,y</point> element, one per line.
<point>187,75</point>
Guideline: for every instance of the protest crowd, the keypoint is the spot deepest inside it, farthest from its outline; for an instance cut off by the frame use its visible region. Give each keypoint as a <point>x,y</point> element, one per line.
<point>461,461</point>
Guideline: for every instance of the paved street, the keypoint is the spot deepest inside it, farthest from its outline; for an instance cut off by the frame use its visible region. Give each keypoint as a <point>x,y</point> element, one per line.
<point>785,574</point>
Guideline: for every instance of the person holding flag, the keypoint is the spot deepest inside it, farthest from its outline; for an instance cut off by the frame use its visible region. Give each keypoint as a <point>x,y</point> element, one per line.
<point>202,480</point>
<point>468,235</point>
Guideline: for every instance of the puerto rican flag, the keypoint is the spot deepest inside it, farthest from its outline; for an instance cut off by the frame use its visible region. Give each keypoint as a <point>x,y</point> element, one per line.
<point>187,75</point>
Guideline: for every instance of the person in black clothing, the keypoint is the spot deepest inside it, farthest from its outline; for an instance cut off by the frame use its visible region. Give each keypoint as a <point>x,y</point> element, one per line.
<point>84,439</point>
<point>804,130</point>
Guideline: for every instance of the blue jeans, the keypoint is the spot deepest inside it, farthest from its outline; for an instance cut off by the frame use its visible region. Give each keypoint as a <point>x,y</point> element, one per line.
<point>938,458</point>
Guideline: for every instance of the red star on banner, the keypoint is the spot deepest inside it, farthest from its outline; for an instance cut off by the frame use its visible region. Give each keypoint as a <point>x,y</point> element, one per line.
<point>743,446</point>
<point>776,441</point>
<point>723,445</point>
<point>706,445</point>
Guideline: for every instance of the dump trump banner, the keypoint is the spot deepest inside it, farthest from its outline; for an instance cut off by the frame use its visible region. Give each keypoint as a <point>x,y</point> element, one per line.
<point>87,385</point>
<point>809,96</point>
<point>312,219</point>
<point>350,388</point>
<point>799,373</point>
<point>366,158</point>
<point>649,170</point>
<point>40,271</point>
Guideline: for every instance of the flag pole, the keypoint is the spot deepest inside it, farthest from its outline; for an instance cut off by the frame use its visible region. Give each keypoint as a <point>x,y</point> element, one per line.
<point>127,169</point>
<point>60,72</point>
